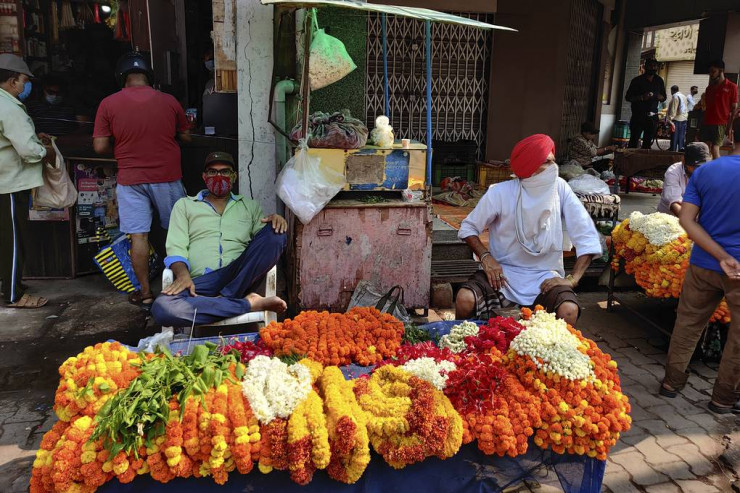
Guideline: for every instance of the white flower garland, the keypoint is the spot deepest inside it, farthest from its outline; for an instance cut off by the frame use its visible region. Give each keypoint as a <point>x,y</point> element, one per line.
<point>455,340</point>
<point>548,339</point>
<point>273,388</point>
<point>431,371</point>
<point>658,228</point>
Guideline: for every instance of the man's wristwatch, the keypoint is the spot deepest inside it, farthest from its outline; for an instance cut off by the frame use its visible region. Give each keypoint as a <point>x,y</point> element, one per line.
<point>572,280</point>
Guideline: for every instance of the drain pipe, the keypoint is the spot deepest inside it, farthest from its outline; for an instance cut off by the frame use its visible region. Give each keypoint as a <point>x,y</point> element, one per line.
<point>280,90</point>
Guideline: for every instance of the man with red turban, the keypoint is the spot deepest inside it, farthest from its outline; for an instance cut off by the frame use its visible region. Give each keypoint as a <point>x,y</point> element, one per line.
<point>526,218</point>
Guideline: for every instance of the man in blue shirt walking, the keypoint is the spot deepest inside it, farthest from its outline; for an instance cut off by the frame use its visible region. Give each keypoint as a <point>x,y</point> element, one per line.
<point>709,214</point>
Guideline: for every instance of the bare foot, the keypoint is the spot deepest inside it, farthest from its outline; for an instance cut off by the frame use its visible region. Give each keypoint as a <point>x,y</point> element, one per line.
<point>270,303</point>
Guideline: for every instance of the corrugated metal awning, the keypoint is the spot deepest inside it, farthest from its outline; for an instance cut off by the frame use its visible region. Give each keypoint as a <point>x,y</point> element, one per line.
<point>413,12</point>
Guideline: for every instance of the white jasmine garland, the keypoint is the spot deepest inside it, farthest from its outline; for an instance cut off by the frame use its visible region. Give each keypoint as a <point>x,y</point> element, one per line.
<point>431,371</point>
<point>548,339</point>
<point>455,340</point>
<point>273,388</point>
<point>658,228</point>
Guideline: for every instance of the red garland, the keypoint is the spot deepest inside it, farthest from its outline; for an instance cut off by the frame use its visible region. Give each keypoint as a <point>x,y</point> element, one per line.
<point>247,349</point>
<point>471,387</point>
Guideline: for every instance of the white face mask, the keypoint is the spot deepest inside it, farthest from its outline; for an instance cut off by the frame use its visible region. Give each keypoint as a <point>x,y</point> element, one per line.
<point>542,179</point>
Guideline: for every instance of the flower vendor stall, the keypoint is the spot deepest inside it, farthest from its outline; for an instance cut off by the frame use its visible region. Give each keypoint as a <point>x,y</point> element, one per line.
<point>457,408</point>
<point>655,250</point>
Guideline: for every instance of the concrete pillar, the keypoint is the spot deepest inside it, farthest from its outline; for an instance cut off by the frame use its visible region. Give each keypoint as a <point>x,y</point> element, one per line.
<point>254,61</point>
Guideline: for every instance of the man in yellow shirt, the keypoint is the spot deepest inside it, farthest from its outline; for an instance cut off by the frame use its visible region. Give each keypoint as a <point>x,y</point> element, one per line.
<point>21,156</point>
<point>218,247</point>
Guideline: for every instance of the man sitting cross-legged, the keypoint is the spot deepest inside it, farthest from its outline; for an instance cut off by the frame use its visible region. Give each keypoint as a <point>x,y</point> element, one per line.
<point>218,248</point>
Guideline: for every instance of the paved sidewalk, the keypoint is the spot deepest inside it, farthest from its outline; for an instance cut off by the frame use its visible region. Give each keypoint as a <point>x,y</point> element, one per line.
<point>675,445</point>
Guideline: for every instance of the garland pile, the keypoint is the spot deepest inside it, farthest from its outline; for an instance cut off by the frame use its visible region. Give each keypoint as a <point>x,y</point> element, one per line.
<point>223,409</point>
<point>656,251</point>
<point>362,335</point>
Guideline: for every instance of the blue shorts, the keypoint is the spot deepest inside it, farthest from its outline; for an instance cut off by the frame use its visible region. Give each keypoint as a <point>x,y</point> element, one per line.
<point>137,204</point>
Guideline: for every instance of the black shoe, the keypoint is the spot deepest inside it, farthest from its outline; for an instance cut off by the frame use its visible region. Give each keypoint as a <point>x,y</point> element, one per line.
<point>724,410</point>
<point>667,393</point>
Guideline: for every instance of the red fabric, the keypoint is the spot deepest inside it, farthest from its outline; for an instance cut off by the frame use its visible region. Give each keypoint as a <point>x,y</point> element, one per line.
<point>143,123</point>
<point>719,98</point>
<point>218,185</point>
<point>531,153</point>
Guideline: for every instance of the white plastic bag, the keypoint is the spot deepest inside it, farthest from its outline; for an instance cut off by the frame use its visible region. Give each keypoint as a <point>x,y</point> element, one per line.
<point>329,60</point>
<point>305,186</point>
<point>58,191</point>
<point>571,170</point>
<point>589,184</point>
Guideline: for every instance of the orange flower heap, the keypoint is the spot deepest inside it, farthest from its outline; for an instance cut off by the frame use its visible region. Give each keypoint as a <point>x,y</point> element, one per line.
<point>497,410</point>
<point>407,418</point>
<point>658,269</point>
<point>92,377</point>
<point>362,335</point>
<point>582,416</point>
<point>347,425</point>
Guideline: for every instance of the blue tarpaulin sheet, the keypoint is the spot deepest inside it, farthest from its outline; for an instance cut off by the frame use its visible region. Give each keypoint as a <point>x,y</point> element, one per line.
<point>470,470</point>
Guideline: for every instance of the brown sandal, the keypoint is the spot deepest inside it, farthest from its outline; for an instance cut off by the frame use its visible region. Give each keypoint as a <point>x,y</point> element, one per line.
<point>138,299</point>
<point>29,301</point>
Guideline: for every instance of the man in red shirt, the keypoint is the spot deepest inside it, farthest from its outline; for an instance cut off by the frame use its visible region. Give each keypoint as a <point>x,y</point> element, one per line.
<point>139,125</point>
<point>721,103</point>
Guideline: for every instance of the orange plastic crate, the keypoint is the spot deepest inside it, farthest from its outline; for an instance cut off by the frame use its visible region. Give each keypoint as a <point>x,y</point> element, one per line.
<point>489,174</point>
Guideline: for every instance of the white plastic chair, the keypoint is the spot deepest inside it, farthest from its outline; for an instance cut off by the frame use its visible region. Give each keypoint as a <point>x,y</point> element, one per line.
<point>245,318</point>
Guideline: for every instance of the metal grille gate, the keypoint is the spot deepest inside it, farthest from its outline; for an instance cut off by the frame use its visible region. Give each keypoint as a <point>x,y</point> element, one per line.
<point>578,101</point>
<point>460,69</point>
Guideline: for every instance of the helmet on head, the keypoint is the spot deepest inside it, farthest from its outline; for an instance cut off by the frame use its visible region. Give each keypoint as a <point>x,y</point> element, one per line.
<point>133,62</point>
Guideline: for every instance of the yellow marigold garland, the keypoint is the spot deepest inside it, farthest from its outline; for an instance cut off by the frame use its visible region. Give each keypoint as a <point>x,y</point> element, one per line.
<point>408,419</point>
<point>347,425</point>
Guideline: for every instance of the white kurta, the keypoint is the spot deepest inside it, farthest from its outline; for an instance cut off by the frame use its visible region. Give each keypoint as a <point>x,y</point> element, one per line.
<point>525,272</point>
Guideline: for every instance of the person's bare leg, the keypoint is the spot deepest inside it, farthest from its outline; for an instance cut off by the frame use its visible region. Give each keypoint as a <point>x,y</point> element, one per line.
<point>714,149</point>
<point>568,311</point>
<point>464,304</point>
<point>140,261</point>
<point>268,303</point>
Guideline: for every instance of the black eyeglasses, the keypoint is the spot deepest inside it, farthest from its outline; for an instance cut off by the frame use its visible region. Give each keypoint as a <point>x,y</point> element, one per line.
<point>222,172</point>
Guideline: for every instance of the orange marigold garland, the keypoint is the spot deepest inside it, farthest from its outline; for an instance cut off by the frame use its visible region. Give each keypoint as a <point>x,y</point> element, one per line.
<point>582,416</point>
<point>408,419</point>
<point>362,335</point>
<point>92,377</point>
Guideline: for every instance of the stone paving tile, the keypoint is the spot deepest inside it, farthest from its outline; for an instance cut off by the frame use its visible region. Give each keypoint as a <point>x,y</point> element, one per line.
<point>699,383</point>
<point>708,445</point>
<point>658,371</point>
<point>684,407</point>
<point>667,413</point>
<point>634,463</point>
<point>626,367</point>
<point>696,396</point>
<point>619,482</point>
<point>654,453</point>
<point>703,370</point>
<point>639,413</point>
<point>663,488</point>
<point>645,347</point>
<point>675,470</point>
<point>696,486</point>
<point>635,356</point>
<point>705,420</point>
<point>643,396</point>
<point>689,452</point>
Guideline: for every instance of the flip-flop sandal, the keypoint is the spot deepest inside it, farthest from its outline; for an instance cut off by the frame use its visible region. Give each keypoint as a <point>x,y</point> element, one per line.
<point>667,393</point>
<point>29,301</point>
<point>723,409</point>
<point>136,298</point>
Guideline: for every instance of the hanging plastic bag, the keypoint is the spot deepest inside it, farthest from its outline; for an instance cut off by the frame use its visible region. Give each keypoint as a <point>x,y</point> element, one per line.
<point>329,60</point>
<point>58,191</point>
<point>305,186</point>
<point>589,184</point>
<point>337,130</point>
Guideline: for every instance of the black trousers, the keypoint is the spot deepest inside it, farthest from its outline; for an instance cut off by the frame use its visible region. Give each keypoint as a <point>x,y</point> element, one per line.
<point>645,126</point>
<point>13,211</point>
